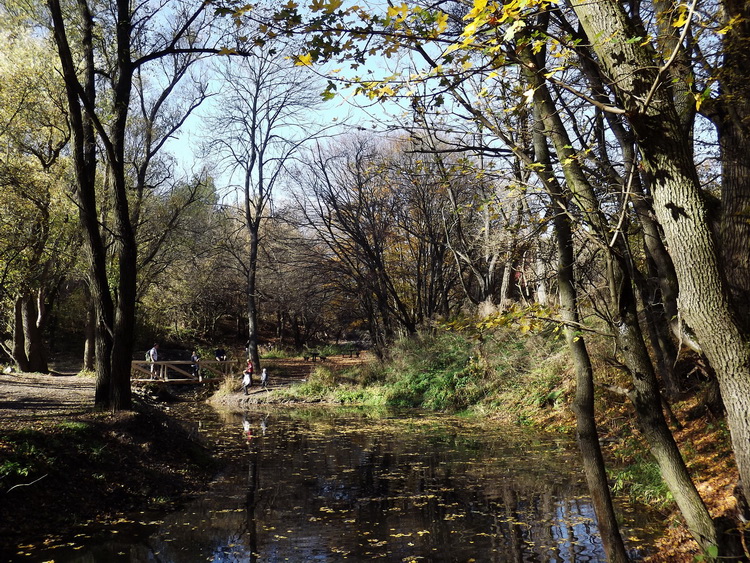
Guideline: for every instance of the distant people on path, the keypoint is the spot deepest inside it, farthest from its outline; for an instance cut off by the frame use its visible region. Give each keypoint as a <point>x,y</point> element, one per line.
<point>263,378</point>
<point>153,356</point>
<point>247,376</point>
<point>221,355</point>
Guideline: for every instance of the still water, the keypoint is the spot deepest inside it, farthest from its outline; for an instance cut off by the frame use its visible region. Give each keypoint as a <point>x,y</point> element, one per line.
<point>327,485</point>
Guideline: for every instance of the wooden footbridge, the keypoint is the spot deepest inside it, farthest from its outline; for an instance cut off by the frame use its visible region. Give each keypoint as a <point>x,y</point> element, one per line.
<point>182,372</point>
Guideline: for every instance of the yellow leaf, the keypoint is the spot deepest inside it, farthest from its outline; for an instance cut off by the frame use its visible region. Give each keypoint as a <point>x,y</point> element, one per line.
<point>517,26</point>
<point>471,28</point>
<point>399,12</point>
<point>682,19</point>
<point>304,60</point>
<point>698,101</point>
<point>452,47</point>
<point>442,22</point>
<point>479,6</point>
<point>729,26</point>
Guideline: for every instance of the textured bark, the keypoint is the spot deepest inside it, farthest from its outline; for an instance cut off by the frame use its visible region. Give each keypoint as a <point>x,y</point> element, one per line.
<point>252,296</point>
<point>18,350</point>
<point>89,346</point>
<point>679,207</point>
<point>622,307</point>
<point>33,340</point>
<point>733,122</point>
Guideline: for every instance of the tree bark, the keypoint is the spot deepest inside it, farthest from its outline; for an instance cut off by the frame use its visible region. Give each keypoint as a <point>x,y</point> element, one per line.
<point>19,348</point>
<point>34,346</point>
<point>733,124</point>
<point>252,297</point>
<point>680,208</point>
<point>89,346</point>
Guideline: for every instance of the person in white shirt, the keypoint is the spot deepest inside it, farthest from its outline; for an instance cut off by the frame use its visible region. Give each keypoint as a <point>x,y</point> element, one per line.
<point>153,356</point>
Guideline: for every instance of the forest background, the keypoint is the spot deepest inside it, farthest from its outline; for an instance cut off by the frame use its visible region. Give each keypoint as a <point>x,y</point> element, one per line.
<point>577,167</point>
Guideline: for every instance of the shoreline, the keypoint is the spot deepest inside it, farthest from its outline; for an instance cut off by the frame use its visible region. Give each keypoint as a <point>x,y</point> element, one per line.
<point>89,468</point>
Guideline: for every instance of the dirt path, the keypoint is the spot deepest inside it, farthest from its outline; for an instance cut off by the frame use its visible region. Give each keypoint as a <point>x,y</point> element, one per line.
<point>36,398</point>
<point>31,397</point>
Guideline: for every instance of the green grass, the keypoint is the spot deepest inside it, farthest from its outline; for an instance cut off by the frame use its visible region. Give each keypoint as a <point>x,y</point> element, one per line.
<point>642,482</point>
<point>278,353</point>
<point>446,371</point>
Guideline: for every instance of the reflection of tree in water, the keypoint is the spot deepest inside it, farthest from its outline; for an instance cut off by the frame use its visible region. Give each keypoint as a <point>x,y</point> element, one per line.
<point>253,478</point>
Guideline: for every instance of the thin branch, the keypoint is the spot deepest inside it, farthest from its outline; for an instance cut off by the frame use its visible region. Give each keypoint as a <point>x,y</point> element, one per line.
<point>26,484</point>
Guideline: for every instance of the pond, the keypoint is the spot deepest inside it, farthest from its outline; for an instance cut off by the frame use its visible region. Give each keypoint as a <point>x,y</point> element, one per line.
<point>344,485</point>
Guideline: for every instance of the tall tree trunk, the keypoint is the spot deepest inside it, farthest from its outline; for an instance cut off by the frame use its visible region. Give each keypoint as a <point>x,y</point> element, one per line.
<point>583,404</point>
<point>252,297</point>
<point>19,346</point>
<point>733,123</point>
<point>112,382</point>
<point>651,422</point>
<point>679,207</point>
<point>89,346</point>
<point>34,346</point>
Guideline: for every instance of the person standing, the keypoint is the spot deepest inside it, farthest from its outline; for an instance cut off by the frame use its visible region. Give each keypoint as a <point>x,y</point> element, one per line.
<point>153,356</point>
<point>263,378</point>
<point>196,368</point>
<point>247,376</point>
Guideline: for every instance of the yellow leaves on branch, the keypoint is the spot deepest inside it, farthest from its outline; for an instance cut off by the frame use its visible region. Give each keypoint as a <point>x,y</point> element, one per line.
<point>441,22</point>
<point>732,23</point>
<point>487,16</point>
<point>683,16</point>
<point>398,13</point>
<point>517,318</point>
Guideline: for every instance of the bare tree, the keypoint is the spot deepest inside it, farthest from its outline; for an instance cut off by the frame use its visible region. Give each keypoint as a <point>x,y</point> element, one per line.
<point>265,114</point>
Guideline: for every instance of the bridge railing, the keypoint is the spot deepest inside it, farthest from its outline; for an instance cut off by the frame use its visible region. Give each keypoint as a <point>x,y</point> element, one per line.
<point>143,370</point>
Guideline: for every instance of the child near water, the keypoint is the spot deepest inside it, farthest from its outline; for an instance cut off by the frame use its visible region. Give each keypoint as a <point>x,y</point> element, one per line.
<point>247,376</point>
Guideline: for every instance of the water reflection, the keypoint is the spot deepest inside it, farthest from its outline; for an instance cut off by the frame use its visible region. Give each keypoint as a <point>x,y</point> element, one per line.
<point>318,486</point>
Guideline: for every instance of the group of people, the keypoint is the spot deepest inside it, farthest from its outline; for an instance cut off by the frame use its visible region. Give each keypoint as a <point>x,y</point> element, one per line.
<point>152,356</point>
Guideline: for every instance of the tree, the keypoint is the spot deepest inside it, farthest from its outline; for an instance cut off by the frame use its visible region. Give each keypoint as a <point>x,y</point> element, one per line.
<point>38,246</point>
<point>264,119</point>
<point>99,106</point>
